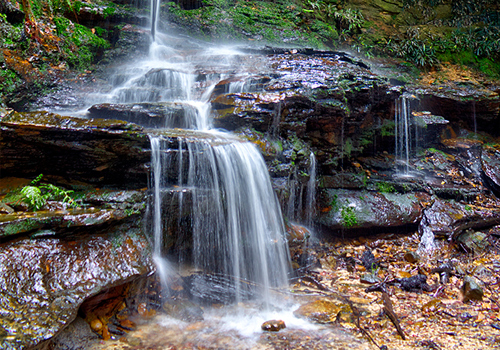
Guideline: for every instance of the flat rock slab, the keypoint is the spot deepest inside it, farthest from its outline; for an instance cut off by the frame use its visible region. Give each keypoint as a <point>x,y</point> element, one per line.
<point>17,223</point>
<point>94,151</point>
<point>151,115</point>
<point>490,162</point>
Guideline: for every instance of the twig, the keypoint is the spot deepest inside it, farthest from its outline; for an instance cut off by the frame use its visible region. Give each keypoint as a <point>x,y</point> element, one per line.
<point>389,311</point>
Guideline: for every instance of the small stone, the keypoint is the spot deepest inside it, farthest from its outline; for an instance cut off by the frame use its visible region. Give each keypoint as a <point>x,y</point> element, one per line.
<point>369,278</point>
<point>474,241</point>
<point>471,289</point>
<point>273,325</point>
<point>322,311</point>
<point>412,257</point>
<point>96,325</point>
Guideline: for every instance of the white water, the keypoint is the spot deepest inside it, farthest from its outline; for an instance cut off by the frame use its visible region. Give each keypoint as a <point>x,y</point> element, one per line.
<point>310,207</point>
<point>403,135</point>
<point>235,223</point>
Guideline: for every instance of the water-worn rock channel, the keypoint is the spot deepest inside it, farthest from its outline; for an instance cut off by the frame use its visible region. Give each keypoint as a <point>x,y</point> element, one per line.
<point>324,122</point>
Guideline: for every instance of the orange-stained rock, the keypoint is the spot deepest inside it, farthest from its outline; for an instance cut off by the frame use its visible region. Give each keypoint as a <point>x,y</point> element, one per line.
<point>273,325</point>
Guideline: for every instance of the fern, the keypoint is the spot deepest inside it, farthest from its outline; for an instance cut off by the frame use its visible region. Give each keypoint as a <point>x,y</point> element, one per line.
<point>32,196</point>
<point>36,196</point>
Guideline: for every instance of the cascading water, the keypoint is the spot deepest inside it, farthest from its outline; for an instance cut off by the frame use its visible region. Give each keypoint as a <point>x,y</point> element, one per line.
<point>208,185</point>
<point>402,135</point>
<point>311,192</point>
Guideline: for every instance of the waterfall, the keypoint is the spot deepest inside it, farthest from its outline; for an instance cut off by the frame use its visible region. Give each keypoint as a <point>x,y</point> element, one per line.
<point>155,15</point>
<point>212,203</point>
<point>236,225</point>
<point>311,192</point>
<point>403,135</point>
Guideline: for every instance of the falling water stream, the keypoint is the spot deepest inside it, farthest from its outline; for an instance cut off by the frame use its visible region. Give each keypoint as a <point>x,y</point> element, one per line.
<point>208,187</point>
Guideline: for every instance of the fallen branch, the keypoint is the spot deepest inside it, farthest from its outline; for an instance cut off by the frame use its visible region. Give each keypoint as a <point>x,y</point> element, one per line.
<point>388,309</point>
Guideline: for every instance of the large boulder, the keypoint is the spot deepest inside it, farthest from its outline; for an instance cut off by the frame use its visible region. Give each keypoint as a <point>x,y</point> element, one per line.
<point>45,280</point>
<point>366,210</point>
<point>448,218</point>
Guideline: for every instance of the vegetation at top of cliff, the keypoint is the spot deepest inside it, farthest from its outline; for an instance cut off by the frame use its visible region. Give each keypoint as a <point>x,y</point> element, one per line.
<point>313,23</point>
<point>425,33</point>
<point>436,32</point>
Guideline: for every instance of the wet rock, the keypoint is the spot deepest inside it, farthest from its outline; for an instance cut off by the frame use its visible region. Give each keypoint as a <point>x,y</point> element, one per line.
<point>416,283</point>
<point>411,257</point>
<point>351,181</point>
<point>369,278</point>
<point>95,151</point>
<point>77,335</point>
<point>296,233</point>
<point>490,161</point>
<point>368,260</point>
<point>45,280</point>
<point>428,127</point>
<point>471,289</point>
<point>450,218</point>
<point>17,223</point>
<point>445,270</point>
<point>183,310</point>
<point>237,110</point>
<point>209,289</point>
<point>322,311</point>
<point>341,209</point>
<point>473,241</point>
<point>481,104</point>
<point>239,84</point>
<point>150,115</point>
<point>273,325</point>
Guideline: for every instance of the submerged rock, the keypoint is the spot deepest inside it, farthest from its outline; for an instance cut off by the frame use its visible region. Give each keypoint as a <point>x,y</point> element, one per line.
<point>273,325</point>
<point>322,311</point>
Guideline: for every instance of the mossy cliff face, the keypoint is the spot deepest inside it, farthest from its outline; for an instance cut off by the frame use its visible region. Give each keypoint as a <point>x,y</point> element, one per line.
<point>51,40</point>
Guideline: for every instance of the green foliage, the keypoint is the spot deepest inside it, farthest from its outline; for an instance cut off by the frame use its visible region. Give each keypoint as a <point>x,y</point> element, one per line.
<point>32,196</point>
<point>385,187</point>
<point>414,48</point>
<point>81,47</point>
<point>313,23</point>
<point>348,216</point>
<point>36,195</point>
<point>347,148</point>
<point>387,128</point>
<point>349,19</point>
<point>334,204</point>
<point>8,80</point>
